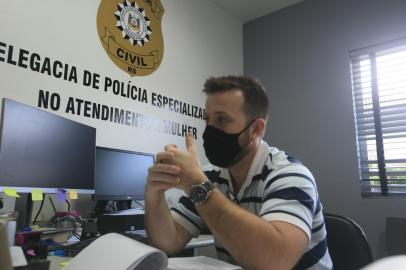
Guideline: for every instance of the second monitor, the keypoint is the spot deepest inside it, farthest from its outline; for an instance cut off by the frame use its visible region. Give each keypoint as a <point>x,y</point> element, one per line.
<point>120,175</point>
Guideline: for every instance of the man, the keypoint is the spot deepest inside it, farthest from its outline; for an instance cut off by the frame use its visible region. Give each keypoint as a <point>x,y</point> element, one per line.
<point>261,205</point>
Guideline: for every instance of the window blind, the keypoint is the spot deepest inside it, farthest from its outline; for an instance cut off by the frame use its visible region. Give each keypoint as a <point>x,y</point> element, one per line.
<point>379,97</point>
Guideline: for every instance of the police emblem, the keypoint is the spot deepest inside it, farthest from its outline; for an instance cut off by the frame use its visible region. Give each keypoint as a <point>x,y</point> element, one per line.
<point>131,34</point>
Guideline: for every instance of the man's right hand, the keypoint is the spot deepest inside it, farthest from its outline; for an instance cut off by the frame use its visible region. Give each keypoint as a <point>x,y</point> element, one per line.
<point>162,176</point>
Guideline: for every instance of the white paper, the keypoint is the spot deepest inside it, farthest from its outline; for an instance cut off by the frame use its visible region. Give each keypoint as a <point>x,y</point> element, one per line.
<point>17,256</point>
<point>114,251</point>
<point>199,263</point>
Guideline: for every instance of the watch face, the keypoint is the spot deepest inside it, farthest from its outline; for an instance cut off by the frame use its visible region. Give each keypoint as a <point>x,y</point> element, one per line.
<point>198,194</point>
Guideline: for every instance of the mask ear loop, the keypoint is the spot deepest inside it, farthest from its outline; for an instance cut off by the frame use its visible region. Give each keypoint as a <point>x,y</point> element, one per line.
<point>244,148</point>
<point>247,127</point>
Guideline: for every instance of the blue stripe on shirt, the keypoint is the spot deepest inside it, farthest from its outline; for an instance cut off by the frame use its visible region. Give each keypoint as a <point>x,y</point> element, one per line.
<point>251,200</point>
<point>214,176</point>
<point>187,203</point>
<point>292,193</point>
<point>292,159</point>
<point>262,175</point>
<point>318,228</point>
<point>312,256</point>
<point>272,180</point>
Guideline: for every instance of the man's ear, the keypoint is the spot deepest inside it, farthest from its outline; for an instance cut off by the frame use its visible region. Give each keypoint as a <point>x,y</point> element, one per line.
<point>258,127</point>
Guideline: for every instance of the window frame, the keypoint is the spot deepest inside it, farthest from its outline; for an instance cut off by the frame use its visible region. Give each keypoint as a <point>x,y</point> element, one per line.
<point>356,56</point>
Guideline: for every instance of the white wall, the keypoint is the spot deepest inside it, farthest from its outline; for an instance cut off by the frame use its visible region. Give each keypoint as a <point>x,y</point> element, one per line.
<point>200,40</point>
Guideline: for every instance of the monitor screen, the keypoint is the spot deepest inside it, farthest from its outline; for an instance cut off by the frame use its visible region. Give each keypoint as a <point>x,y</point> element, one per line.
<point>121,175</point>
<point>39,149</point>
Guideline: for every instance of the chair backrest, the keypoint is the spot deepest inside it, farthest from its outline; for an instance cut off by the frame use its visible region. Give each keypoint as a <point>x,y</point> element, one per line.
<point>347,243</point>
<point>395,233</point>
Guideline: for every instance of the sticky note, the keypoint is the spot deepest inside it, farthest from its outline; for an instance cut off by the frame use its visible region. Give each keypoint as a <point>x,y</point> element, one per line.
<point>61,195</point>
<point>73,194</point>
<point>11,192</point>
<point>63,264</point>
<point>37,195</point>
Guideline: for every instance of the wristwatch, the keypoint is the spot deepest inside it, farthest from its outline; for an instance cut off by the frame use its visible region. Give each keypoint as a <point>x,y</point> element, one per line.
<point>200,193</point>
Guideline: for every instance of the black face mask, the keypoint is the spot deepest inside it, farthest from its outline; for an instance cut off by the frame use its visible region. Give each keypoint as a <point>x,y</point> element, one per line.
<point>222,148</point>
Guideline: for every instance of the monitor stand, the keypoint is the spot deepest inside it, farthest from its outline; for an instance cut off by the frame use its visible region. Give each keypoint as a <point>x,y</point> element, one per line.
<point>119,205</point>
<point>23,206</point>
<point>123,205</point>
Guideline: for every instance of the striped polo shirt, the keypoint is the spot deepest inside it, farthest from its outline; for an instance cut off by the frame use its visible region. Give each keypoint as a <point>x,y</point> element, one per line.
<point>277,188</point>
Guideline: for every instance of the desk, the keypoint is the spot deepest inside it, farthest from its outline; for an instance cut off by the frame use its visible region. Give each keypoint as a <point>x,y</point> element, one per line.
<point>203,240</point>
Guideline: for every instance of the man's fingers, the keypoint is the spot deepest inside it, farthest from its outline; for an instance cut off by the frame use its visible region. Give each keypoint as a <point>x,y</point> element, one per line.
<point>164,168</point>
<point>169,146</point>
<point>162,182</point>
<point>162,156</point>
<point>164,178</point>
<point>190,142</point>
<point>164,186</point>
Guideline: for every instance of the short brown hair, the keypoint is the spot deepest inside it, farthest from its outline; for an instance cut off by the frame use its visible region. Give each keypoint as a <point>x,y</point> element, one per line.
<point>256,102</point>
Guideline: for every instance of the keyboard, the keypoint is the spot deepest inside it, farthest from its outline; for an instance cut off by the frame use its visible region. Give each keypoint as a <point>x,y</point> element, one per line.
<point>73,249</point>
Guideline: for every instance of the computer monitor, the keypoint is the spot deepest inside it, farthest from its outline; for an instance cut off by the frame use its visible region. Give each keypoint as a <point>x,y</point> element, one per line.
<point>39,149</point>
<point>120,174</point>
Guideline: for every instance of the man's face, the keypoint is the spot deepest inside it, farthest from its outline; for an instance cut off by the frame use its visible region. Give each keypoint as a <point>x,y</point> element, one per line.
<point>225,110</point>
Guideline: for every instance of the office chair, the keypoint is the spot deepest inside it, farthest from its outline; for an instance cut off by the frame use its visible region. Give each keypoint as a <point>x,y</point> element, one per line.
<point>347,243</point>
<point>395,234</point>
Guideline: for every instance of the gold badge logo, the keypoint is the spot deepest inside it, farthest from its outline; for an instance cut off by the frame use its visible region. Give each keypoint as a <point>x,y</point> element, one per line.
<point>131,34</point>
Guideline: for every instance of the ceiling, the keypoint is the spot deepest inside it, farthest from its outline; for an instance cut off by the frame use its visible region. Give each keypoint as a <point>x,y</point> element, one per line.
<point>247,10</point>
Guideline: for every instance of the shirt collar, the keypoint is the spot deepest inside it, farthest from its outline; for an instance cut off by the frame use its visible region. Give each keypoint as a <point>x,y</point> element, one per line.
<point>256,167</point>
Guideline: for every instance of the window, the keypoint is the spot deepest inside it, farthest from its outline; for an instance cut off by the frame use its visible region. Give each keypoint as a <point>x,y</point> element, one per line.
<point>379,96</point>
